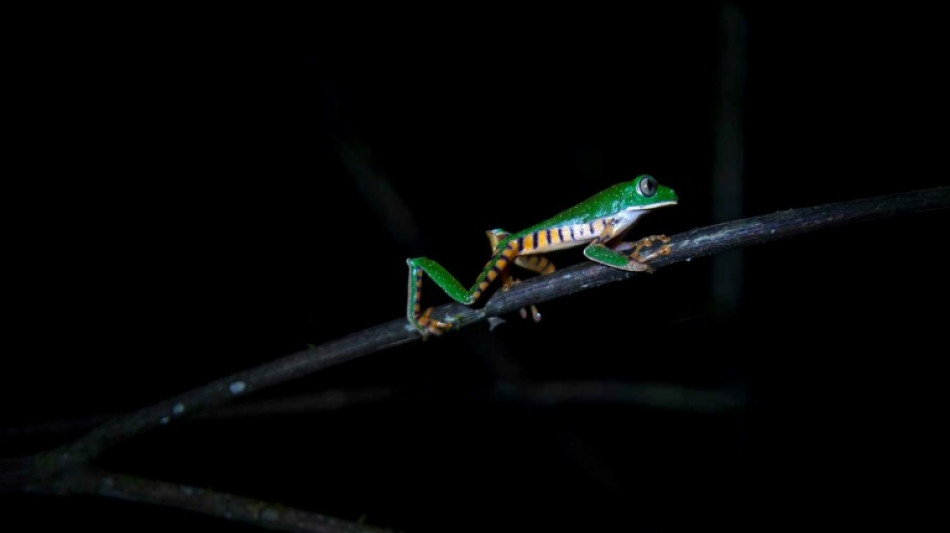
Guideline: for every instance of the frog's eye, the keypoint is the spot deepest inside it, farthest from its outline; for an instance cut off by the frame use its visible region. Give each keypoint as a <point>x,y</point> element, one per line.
<point>648,186</point>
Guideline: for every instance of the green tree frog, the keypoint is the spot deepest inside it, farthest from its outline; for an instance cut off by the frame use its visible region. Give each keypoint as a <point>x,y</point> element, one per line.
<point>598,222</point>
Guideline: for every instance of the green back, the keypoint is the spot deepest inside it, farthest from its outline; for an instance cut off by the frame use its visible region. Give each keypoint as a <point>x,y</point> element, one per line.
<point>612,200</point>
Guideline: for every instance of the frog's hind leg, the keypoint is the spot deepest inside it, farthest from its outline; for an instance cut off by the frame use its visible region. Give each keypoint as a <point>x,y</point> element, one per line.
<point>422,321</point>
<point>535,263</point>
<point>543,266</point>
<point>496,237</point>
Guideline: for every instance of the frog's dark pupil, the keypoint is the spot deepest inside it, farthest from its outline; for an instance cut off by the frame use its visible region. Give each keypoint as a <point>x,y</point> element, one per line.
<point>648,187</point>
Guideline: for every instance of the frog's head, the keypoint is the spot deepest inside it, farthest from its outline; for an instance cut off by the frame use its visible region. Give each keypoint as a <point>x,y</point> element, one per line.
<point>643,192</point>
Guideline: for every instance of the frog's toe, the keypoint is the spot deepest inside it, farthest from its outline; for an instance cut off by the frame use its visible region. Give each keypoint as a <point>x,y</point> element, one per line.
<point>431,326</point>
<point>535,314</point>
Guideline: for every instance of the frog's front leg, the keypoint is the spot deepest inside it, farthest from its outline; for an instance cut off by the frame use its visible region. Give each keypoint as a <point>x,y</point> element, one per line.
<point>598,251</point>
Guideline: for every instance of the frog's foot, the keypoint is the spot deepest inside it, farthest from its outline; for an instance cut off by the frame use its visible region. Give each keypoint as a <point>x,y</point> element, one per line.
<point>431,326</point>
<point>523,312</point>
<point>662,250</point>
<point>661,237</point>
<point>646,242</point>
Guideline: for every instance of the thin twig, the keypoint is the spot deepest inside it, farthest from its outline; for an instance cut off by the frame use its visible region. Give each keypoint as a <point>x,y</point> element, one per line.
<point>94,481</point>
<point>685,246</point>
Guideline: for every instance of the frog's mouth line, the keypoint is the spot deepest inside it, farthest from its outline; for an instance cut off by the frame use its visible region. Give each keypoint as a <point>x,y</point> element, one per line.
<point>658,204</point>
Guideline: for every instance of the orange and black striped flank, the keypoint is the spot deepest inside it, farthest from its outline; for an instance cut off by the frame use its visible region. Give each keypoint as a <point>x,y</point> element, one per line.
<point>526,243</point>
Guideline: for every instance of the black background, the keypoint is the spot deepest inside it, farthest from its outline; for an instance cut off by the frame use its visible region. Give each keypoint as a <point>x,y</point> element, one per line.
<point>178,209</point>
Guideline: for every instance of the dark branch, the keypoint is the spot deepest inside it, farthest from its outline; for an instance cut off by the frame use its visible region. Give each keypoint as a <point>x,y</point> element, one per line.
<point>685,246</point>
<point>264,514</point>
<point>711,240</point>
<point>668,396</point>
<point>64,470</point>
